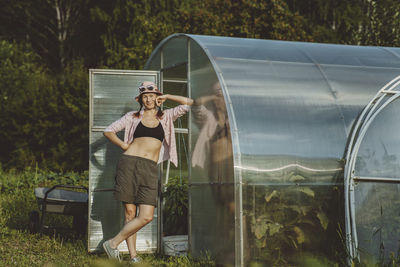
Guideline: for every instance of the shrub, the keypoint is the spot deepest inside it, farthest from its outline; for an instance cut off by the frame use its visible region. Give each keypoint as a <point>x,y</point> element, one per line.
<point>43,117</point>
<point>175,212</point>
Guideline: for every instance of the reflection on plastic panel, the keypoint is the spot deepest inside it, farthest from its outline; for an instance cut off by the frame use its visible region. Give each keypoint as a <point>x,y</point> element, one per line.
<point>271,50</point>
<point>377,221</point>
<point>379,154</point>
<point>211,189</point>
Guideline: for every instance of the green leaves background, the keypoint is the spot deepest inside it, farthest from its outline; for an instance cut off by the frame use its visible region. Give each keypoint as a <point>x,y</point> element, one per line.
<point>47,47</point>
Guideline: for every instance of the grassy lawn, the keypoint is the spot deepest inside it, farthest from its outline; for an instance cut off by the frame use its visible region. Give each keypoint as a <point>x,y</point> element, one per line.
<point>18,247</point>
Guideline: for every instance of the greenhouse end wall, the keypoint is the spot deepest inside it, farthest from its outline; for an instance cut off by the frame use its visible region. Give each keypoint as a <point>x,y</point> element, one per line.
<point>268,137</point>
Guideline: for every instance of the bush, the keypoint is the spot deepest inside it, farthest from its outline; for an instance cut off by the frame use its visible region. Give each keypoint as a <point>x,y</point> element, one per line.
<point>175,212</point>
<point>43,117</point>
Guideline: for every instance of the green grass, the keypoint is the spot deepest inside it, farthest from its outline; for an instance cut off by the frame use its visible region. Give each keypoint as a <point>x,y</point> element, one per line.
<point>18,247</point>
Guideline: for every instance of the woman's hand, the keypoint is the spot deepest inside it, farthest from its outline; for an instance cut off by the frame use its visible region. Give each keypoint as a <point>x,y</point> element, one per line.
<point>124,146</point>
<point>115,140</point>
<point>161,99</point>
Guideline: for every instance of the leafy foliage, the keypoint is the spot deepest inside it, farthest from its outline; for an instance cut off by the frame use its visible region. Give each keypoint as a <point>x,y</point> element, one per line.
<point>47,46</point>
<point>134,28</point>
<point>290,221</point>
<point>175,210</point>
<point>44,118</point>
<point>359,22</point>
<point>381,24</point>
<point>60,31</point>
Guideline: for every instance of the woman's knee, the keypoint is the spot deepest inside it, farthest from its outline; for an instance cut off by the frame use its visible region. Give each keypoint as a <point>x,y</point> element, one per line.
<point>129,218</point>
<point>130,213</point>
<point>146,218</point>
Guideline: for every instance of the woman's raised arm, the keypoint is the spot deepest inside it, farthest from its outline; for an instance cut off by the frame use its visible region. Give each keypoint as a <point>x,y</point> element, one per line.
<point>177,98</point>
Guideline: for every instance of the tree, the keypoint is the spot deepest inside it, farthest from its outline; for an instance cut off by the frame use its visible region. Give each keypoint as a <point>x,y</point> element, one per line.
<point>381,25</point>
<point>59,31</point>
<point>134,28</point>
<point>359,22</point>
<point>41,123</point>
<point>329,20</point>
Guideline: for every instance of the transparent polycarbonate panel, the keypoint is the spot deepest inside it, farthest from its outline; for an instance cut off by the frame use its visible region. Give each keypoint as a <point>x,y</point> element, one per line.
<point>379,153</point>
<point>290,170</point>
<point>105,219</point>
<point>269,93</point>
<point>175,59</point>
<point>113,94</point>
<point>307,137</point>
<point>271,50</point>
<point>377,222</point>
<point>173,177</point>
<point>212,222</point>
<point>103,160</point>
<point>178,72</point>
<point>155,63</point>
<point>180,172</point>
<point>288,225</point>
<point>348,55</point>
<point>174,51</point>
<point>175,88</point>
<point>354,88</point>
<point>251,49</point>
<point>211,189</point>
<point>294,105</point>
<point>393,50</point>
<point>212,155</point>
<point>106,216</point>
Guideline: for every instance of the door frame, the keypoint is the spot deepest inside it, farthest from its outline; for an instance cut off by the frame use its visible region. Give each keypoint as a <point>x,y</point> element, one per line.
<point>93,243</point>
<point>386,95</point>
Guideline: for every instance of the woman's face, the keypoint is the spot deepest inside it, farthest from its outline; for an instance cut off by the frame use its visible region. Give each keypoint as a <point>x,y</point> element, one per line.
<point>149,100</point>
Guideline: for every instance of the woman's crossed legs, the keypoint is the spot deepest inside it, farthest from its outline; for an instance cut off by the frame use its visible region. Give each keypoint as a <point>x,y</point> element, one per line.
<point>133,224</point>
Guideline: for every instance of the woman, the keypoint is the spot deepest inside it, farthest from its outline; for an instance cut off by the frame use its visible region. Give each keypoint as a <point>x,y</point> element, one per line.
<point>149,139</point>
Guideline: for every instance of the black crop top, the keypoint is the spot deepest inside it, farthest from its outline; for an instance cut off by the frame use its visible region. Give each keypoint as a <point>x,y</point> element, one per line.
<point>143,131</point>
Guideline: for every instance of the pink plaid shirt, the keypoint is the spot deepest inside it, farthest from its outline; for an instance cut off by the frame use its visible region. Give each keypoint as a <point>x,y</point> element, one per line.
<point>168,149</point>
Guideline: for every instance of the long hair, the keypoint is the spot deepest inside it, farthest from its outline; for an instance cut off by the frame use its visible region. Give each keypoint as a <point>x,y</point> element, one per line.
<point>159,114</point>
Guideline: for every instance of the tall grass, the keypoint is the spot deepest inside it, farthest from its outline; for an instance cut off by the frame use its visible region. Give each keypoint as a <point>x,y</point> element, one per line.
<point>19,247</point>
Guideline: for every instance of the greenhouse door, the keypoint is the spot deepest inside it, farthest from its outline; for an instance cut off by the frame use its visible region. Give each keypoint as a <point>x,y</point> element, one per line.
<point>112,94</point>
<point>372,180</point>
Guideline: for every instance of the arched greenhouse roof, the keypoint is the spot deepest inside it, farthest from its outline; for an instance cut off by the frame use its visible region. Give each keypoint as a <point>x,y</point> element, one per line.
<point>292,99</point>
<point>292,110</point>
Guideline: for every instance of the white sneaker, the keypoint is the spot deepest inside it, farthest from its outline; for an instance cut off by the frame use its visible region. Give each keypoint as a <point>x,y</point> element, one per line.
<point>113,253</point>
<point>136,259</point>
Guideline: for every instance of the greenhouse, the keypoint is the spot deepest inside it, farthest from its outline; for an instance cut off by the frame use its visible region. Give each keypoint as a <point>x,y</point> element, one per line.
<point>292,150</point>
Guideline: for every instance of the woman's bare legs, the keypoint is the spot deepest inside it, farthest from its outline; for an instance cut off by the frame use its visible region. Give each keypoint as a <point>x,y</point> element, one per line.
<point>130,214</point>
<point>145,216</point>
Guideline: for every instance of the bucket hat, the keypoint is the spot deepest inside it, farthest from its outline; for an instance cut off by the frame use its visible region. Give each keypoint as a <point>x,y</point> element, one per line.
<point>147,87</point>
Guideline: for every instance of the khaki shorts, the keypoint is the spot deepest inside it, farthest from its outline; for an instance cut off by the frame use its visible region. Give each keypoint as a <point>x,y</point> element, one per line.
<point>136,181</point>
